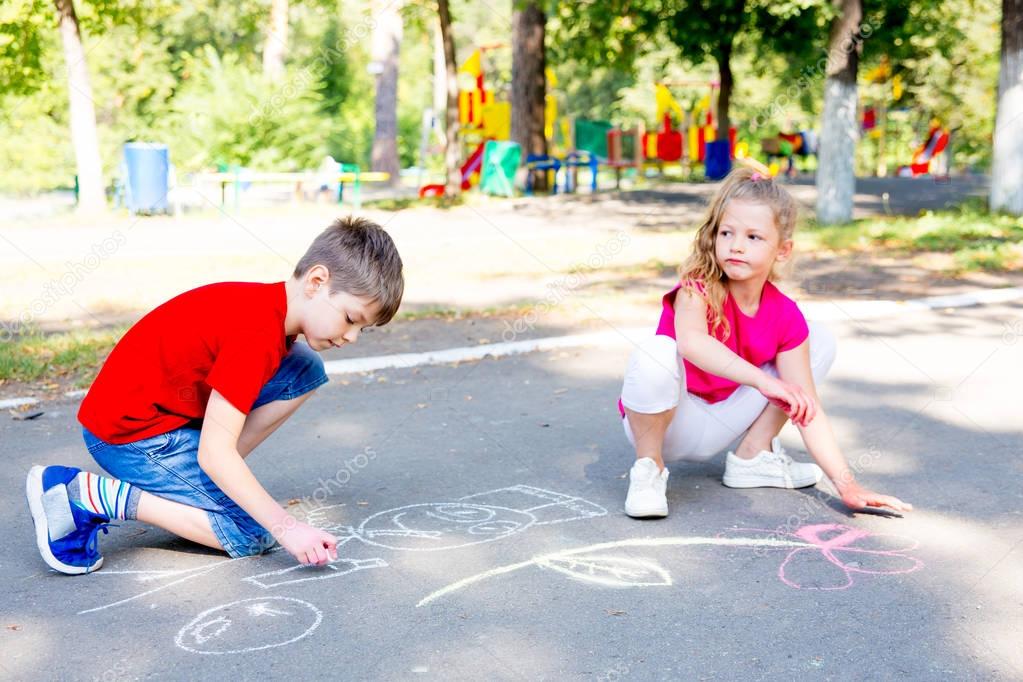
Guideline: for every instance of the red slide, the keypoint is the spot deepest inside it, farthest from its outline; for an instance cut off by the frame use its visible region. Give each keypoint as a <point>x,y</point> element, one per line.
<point>472,165</point>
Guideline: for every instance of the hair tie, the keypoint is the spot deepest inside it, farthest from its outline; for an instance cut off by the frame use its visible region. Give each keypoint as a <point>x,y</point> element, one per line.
<point>756,176</point>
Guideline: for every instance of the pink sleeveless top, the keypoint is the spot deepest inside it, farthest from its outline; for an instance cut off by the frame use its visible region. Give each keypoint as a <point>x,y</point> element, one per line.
<point>778,326</point>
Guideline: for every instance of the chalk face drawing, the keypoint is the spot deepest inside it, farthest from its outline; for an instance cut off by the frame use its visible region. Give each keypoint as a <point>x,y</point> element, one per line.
<point>839,551</point>
<point>470,520</point>
<point>431,527</point>
<point>249,625</point>
<point>434,527</point>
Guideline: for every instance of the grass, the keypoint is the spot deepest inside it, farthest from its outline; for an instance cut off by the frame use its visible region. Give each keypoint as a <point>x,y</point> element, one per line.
<point>63,359</point>
<point>977,239</point>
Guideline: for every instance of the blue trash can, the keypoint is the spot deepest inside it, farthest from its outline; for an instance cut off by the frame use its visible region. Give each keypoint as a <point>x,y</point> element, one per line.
<point>718,159</point>
<point>148,172</point>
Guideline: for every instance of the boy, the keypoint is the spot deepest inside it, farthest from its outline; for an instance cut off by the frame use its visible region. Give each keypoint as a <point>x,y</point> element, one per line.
<point>195,386</point>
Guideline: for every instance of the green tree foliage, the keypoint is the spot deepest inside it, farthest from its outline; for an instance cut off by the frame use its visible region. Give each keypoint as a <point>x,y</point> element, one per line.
<point>189,74</point>
<point>191,78</point>
<point>26,28</point>
<point>228,113</point>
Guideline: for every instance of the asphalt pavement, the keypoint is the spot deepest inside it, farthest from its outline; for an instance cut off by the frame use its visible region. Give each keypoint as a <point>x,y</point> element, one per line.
<point>480,508</point>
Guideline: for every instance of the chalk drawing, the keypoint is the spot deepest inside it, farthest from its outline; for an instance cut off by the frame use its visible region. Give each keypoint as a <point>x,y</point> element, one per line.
<point>473,519</point>
<point>249,625</point>
<point>841,547</point>
<point>179,576</point>
<point>470,520</point>
<point>610,571</point>
<point>834,553</point>
<point>333,570</point>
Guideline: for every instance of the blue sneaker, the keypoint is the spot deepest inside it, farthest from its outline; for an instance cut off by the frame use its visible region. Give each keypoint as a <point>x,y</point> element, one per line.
<point>66,534</point>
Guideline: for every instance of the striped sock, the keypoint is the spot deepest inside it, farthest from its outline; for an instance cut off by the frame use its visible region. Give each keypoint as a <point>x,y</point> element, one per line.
<point>105,496</point>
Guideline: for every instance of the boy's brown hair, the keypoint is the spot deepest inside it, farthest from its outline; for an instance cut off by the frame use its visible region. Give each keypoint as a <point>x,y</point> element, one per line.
<point>362,260</point>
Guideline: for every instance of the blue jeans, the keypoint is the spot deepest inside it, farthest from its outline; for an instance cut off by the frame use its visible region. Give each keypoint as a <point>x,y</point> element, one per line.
<point>167,465</point>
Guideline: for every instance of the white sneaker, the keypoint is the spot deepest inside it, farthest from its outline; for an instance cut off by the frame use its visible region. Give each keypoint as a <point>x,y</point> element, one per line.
<point>773,469</point>
<point>647,487</point>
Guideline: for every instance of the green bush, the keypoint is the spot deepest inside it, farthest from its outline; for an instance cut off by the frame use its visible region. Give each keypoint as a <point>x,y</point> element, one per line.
<point>228,113</point>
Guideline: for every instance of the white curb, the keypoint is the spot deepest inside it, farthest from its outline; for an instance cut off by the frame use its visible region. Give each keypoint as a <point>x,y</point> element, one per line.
<point>814,310</point>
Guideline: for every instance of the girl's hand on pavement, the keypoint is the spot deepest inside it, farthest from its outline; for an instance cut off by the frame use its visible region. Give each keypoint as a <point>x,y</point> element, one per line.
<point>858,497</point>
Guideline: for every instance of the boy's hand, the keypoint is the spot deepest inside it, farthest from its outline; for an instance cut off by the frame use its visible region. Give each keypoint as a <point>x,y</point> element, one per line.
<point>858,497</point>
<point>791,398</point>
<point>308,544</point>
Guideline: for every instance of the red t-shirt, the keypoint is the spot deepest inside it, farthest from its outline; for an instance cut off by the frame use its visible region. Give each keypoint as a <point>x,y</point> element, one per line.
<point>228,336</point>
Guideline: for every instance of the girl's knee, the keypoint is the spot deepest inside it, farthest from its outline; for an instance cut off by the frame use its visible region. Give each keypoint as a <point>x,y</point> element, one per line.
<point>653,380</point>
<point>823,348</point>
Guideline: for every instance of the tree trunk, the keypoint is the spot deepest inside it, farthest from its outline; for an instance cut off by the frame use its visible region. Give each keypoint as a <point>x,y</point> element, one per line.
<point>529,83</point>
<point>276,47</point>
<point>1007,169</point>
<point>440,87</point>
<point>91,188</point>
<point>724,60</point>
<point>453,185</point>
<point>836,180</point>
<point>386,49</point>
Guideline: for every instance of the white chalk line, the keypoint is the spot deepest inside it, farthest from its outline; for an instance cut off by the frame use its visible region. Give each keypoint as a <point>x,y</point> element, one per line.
<point>823,311</point>
<point>187,574</point>
<point>194,626</point>
<point>635,542</point>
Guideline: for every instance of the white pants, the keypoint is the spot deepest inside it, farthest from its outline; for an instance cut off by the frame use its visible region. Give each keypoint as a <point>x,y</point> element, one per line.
<point>655,381</point>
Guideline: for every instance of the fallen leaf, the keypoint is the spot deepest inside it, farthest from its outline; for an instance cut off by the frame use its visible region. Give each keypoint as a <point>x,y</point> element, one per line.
<point>293,501</point>
<point>13,627</point>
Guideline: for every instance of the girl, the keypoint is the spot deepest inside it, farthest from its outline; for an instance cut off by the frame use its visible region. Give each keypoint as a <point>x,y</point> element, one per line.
<point>732,357</point>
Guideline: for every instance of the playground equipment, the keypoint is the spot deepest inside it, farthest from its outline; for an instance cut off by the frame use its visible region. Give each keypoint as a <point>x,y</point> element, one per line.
<point>500,162</point>
<point>887,89</point>
<point>625,150</point>
<point>481,117</point>
<point>482,120</point>
<point>934,144</point>
<point>788,146</point>
<point>240,178</point>
<point>542,163</point>
<point>705,143</point>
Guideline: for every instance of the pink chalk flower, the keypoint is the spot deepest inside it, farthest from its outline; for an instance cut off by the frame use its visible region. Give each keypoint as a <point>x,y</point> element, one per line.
<point>834,553</point>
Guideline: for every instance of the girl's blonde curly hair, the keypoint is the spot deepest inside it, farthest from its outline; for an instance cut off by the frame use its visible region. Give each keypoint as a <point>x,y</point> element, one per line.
<point>750,182</point>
